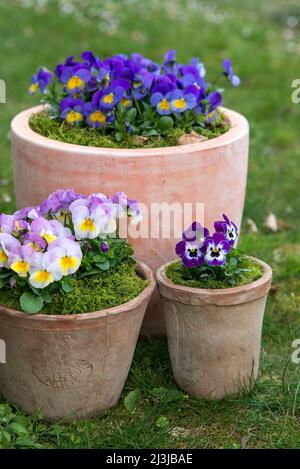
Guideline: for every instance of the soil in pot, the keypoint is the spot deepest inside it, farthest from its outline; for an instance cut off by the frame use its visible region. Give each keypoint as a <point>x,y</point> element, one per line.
<point>56,130</point>
<point>91,293</point>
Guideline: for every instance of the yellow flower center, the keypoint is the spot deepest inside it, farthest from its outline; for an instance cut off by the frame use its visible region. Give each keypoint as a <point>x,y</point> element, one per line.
<point>215,250</point>
<point>164,105</point>
<point>179,103</point>
<point>75,82</point>
<point>88,225</point>
<point>3,257</point>
<point>67,263</point>
<point>98,116</point>
<point>34,87</point>
<point>43,276</point>
<point>74,117</point>
<point>126,102</point>
<point>108,99</point>
<point>137,84</point>
<point>21,268</point>
<point>49,237</point>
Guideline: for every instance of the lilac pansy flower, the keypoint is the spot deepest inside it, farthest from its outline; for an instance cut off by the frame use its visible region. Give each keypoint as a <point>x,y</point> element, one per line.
<point>7,223</point>
<point>67,254</point>
<point>43,270</point>
<point>19,260</point>
<point>49,230</point>
<point>8,244</point>
<point>89,217</point>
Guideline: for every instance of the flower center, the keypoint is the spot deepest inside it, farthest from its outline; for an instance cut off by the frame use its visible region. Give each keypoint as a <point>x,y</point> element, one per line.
<point>43,276</point>
<point>49,237</point>
<point>179,103</point>
<point>73,117</point>
<point>75,82</point>
<point>88,225</point>
<point>67,263</point>
<point>98,116</point>
<point>34,87</point>
<point>193,252</point>
<point>164,105</point>
<point>3,257</point>
<point>109,98</point>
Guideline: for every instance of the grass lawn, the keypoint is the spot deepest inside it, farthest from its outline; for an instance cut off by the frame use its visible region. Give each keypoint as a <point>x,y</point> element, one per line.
<point>263,40</point>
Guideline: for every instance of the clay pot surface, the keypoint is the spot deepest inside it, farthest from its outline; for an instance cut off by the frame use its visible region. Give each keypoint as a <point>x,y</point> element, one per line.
<point>214,336</point>
<point>211,172</point>
<point>70,365</point>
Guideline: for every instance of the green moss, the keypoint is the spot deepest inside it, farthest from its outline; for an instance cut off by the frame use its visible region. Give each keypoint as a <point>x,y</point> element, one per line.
<point>89,294</point>
<point>175,274</point>
<point>57,130</point>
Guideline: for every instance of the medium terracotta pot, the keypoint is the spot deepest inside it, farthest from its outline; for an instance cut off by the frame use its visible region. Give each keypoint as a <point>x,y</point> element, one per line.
<point>214,336</point>
<point>212,172</point>
<point>72,365</point>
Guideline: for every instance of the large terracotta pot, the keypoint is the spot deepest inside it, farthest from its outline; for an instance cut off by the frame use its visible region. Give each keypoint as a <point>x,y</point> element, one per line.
<point>214,336</point>
<point>72,365</point>
<point>212,172</point>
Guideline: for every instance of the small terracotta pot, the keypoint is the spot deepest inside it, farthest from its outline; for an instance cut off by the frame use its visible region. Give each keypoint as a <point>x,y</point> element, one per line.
<point>214,336</point>
<point>212,172</point>
<point>72,365</point>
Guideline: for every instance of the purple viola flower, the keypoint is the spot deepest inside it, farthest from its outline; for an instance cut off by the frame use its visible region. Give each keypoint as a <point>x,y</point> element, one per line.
<point>162,103</point>
<point>34,240</point>
<point>7,223</point>
<point>72,110</point>
<point>195,62</point>
<point>49,230</point>
<point>214,101</point>
<point>190,253</point>
<point>94,113</point>
<point>180,101</point>
<point>228,72</point>
<point>216,248</point>
<point>29,213</point>
<point>169,64</point>
<point>69,63</point>
<point>8,244</point>
<point>228,228</point>
<point>196,232</point>
<point>142,83</point>
<point>91,216</point>
<point>164,84</point>
<point>75,78</point>
<point>40,81</point>
<point>104,247</point>
<point>19,260</point>
<point>111,97</point>
<point>59,202</point>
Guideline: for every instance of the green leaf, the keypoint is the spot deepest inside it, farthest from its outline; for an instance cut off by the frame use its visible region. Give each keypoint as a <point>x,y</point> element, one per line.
<point>99,258</point>
<point>131,114</point>
<point>66,285</point>
<point>165,123</point>
<point>25,441</point>
<point>17,429</point>
<point>132,399</point>
<point>5,439</point>
<point>30,303</point>
<point>104,265</point>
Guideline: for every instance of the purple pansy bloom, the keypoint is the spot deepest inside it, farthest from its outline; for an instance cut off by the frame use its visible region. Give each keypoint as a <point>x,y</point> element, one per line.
<point>75,78</point>
<point>95,114</point>
<point>40,81</point>
<point>72,110</point>
<point>29,213</point>
<point>35,241</point>
<point>190,252</point>
<point>164,84</point>
<point>216,248</point>
<point>169,64</point>
<point>7,223</point>
<point>59,201</point>
<point>104,247</point>
<point>162,103</point>
<point>112,96</point>
<point>228,71</point>
<point>228,228</point>
<point>195,62</point>
<point>180,101</point>
<point>214,101</point>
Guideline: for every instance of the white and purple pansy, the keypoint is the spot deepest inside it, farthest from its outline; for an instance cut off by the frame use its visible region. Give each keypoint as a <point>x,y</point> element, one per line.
<point>190,252</point>
<point>44,270</point>
<point>49,230</point>
<point>19,259</point>
<point>216,247</point>
<point>90,217</point>
<point>228,228</point>
<point>196,232</point>
<point>7,244</point>
<point>67,254</point>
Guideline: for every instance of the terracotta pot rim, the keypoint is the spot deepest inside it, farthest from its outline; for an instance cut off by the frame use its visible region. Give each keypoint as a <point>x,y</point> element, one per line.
<point>142,269</point>
<point>20,127</point>
<point>225,296</point>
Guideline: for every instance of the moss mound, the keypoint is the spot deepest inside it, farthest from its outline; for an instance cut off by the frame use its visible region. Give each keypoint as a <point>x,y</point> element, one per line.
<point>176,274</point>
<point>93,293</point>
<point>57,130</point>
